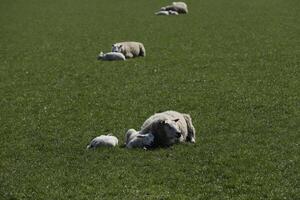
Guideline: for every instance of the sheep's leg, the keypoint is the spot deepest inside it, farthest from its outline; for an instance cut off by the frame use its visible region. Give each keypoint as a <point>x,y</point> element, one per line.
<point>129,55</point>
<point>191,137</point>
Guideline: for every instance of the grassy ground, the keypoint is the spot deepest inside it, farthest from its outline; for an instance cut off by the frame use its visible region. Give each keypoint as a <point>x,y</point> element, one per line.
<point>232,65</point>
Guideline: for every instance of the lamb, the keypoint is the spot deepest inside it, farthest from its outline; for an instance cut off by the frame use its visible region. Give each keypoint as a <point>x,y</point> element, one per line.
<point>169,12</point>
<point>129,49</point>
<point>162,12</point>
<point>134,139</point>
<point>103,141</point>
<point>179,7</point>
<point>111,56</point>
<point>169,127</point>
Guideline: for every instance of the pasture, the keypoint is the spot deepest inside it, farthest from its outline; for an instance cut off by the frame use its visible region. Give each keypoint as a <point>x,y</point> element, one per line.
<point>232,65</point>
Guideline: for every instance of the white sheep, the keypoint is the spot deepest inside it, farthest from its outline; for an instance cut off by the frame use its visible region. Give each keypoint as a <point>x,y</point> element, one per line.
<point>110,56</point>
<point>162,12</point>
<point>179,7</point>
<point>133,139</point>
<point>129,49</point>
<point>103,141</point>
<point>171,12</point>
<point>179,3</point>
<point>169,127</point>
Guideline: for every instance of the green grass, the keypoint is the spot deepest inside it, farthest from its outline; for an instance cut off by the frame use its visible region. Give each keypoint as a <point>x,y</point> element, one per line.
<point>232,65</point>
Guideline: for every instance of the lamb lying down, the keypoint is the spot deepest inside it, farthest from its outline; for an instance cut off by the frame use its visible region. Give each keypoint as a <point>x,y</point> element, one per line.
<point>103,141</point>
<point>134,139</point>
<point>171,12</point>
<point>110,56</point>
<point>164,12</point>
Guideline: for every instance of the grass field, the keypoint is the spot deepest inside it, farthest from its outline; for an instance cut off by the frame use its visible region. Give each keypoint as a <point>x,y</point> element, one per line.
<point>232,65</point>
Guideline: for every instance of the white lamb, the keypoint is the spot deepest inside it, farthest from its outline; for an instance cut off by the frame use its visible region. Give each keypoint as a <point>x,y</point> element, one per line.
<point>134,139</point>
<point>162,12</point>
<point>129,49</point>
<point>171,12</point>
<point>110,56</point>
<point>169,127</point>
<point>103,141</point>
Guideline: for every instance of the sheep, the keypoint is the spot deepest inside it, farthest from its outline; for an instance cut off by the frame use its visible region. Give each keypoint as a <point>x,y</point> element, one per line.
<point>162,12</point>
<point>103,141</point>
<point>171,12</point>
<point>111,56</point>
<point>133,139</point>
<point>179,7</point>
<point>169,127</point>
<point>129,49</point>
<point>182,4</point>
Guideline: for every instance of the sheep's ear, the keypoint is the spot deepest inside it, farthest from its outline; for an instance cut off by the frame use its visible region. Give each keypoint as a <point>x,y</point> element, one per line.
<point>163,122</point>
<point>141,136</point>
<point>176,120</point>
<point>120,45</point>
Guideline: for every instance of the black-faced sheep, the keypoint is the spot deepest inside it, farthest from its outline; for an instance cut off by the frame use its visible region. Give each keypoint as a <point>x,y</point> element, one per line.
<point>129,49</point>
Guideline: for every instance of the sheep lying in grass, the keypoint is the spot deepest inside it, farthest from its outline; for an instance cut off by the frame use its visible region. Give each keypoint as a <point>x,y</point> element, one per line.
<point>111,56</point>
<point>169,127</point>
<point>182,4</point>
<point>162,12</point>
<point>103,141</point>
<point>179,7</point>
<point>134,139</point>
<point>129,49</point>
<point>169,12</point>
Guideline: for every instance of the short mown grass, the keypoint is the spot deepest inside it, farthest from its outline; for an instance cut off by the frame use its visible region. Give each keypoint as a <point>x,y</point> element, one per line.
<point>232,65</point>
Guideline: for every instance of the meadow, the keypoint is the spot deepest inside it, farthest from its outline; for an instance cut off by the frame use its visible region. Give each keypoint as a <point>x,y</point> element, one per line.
<point>232,65</point>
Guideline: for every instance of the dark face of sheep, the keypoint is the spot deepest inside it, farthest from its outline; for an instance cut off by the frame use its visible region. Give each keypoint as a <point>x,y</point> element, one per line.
<point>171,128</point>
<point>116,48</point>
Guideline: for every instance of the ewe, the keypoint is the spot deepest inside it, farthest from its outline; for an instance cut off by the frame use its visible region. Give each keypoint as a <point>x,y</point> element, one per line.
<point>129,49</point>
<point>169,127</point>
<point>182,4</point>
<point>179,7</point>
<point>103,141</point>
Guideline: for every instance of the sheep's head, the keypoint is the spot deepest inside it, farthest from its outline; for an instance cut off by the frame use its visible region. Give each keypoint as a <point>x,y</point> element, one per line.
<point>146,138</point>
<point>100,56</point>
<point>163,9</point>
<point>171,128</point>
<point>116,48</point>
<point>129,135</point>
